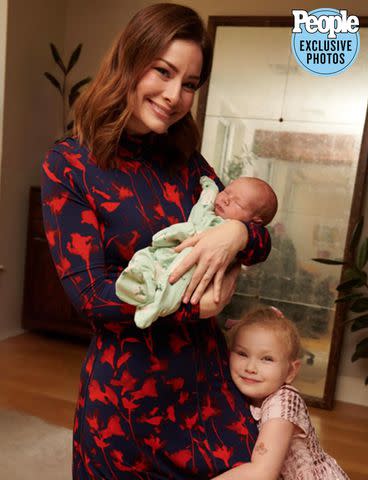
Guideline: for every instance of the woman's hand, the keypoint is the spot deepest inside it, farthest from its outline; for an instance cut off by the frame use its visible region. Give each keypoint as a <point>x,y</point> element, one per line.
<point>207,306</point>
<point>213,251</point>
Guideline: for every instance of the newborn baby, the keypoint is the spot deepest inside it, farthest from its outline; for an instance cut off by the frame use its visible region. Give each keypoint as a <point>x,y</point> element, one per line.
<point>145,283</point>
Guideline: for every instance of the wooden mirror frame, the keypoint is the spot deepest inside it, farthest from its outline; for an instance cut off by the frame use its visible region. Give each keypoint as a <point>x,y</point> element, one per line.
<point>357,203</point>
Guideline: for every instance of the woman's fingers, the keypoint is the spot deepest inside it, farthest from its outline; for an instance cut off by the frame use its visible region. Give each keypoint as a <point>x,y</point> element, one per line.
<point>188,242</point>
<point>185,265</point>
<point>212,252</point>
<point>217,284</point>
<point>200,281</point>
<point>208,307</point>
<point>229,284</point>
<point>219,288</point>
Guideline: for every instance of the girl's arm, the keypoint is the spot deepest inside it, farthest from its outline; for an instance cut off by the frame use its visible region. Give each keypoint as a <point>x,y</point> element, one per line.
<point>268,455</point>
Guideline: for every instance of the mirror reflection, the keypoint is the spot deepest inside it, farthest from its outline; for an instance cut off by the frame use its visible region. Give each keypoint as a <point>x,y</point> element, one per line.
<point>268,118</point>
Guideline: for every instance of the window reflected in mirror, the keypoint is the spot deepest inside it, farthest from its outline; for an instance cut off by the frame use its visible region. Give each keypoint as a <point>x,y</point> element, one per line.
<point>268,118</point>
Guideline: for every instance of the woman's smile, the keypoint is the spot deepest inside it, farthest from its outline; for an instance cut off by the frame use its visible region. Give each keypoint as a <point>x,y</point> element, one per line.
<point>160,111</point>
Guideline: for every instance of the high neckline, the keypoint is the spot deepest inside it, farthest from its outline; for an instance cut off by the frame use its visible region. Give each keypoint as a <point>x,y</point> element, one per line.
<point>132,145</point>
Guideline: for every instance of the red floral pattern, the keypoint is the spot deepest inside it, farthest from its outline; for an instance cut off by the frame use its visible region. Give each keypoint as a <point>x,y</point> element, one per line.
<point>155,403</point>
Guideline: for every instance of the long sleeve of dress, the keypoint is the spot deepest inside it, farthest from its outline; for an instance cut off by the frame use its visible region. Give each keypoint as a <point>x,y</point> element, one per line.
<point>73,208</point>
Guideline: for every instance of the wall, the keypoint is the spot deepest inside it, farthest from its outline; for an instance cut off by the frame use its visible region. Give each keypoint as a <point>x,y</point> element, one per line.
<point>29,125</point>
<point>96,23</point>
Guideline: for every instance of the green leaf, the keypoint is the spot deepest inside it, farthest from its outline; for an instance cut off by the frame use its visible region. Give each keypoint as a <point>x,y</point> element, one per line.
<point>54,81</point>
<point>362,256</point>
<point>74,57</point>
<point>57,57</point>
<point>73,98</point>
<point>359,305</point>
<point>352,277</point>
<point>328,261</point>
<point>359,322</point>
<point>361,350</point>
<point>80,84</point>
<point>348,298</point>
<point>74,91</point>
<point>352,273</point>
<point>348,284</point>
<point>355,237</point>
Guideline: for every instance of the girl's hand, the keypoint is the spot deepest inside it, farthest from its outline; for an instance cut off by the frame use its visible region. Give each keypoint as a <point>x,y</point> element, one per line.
<point>207,306</point>
<point>213,251</point>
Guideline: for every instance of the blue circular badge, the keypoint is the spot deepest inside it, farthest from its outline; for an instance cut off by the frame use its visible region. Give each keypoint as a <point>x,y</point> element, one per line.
<point>325,41</point>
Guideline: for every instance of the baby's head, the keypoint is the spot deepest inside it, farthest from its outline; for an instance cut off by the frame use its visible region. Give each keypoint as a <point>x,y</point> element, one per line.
<point>247,199</point>
<point>264,353</point>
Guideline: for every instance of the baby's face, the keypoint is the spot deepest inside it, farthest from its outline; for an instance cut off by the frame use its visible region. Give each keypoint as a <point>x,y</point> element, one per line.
<point>238,201</point>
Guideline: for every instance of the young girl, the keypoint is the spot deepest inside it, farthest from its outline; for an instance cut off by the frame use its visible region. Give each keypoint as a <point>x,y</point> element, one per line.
<point>264,360</point>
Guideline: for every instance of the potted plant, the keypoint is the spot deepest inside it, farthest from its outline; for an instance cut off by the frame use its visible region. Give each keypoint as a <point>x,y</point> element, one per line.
<point>353,290</point>
<point>68,95</point>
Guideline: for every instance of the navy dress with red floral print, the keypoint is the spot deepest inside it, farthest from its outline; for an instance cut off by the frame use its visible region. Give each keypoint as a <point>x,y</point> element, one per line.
<point>157,403</point>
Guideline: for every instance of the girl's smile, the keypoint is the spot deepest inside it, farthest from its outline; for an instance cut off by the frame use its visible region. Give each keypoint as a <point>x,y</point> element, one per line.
<point>249,380</point>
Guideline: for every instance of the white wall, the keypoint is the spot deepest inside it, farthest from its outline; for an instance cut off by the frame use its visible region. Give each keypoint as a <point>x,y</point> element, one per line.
<point>29,126</point>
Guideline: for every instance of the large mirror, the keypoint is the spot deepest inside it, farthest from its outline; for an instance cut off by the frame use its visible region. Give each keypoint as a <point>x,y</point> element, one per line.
<point>262,115</point>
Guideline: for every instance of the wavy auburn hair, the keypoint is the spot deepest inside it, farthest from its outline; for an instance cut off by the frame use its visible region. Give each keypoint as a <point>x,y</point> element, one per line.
<point>102,111</point>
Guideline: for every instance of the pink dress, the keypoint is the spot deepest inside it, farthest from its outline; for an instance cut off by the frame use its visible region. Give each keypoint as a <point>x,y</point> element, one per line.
<point>305,460</point>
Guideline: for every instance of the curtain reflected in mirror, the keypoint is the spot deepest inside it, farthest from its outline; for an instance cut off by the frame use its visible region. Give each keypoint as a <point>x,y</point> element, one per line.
<point>268,118</point>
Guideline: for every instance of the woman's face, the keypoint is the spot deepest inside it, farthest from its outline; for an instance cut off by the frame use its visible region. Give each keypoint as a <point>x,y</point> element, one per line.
<point>166,91</point>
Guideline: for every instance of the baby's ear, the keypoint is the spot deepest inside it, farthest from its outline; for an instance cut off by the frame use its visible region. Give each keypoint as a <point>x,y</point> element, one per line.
<point>293,370</point>
<point>257,219</point>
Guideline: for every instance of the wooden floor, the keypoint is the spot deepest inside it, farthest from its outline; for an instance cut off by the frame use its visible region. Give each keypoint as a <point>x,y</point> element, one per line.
<point>40,376</point>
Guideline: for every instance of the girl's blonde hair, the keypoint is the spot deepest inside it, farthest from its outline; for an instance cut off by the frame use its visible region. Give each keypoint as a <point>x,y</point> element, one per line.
<point>102,111</point>
<point>271,318</point>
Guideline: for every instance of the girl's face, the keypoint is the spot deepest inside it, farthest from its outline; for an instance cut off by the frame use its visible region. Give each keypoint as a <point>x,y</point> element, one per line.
<point>166,91</point>
<point>259,362</point>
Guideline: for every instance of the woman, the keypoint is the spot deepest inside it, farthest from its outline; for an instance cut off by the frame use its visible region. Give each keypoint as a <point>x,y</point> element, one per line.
<point>155,403</point>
